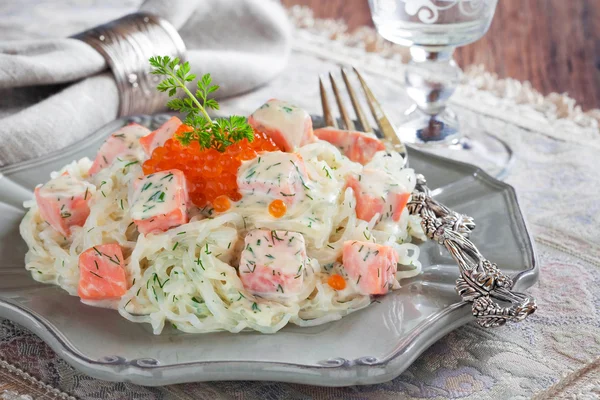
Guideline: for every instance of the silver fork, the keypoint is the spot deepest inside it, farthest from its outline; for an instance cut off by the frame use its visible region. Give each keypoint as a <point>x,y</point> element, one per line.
<point>385,126</point>
<point>480,281</point>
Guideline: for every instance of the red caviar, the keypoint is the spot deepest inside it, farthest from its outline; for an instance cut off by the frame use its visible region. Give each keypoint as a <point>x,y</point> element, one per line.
<point>337,282</point>
<point>221,203</point>
<point>277,208</point>
<point>210,173</point>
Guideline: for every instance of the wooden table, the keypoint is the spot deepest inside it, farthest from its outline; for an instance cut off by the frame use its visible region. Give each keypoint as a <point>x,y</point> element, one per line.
<point>554,44</point>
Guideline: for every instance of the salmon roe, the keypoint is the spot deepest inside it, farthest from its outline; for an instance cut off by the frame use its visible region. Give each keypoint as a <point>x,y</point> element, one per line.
<point>210,173</point>
<point>277,208</point>
<point>337,282</point>
<point>221,203</point>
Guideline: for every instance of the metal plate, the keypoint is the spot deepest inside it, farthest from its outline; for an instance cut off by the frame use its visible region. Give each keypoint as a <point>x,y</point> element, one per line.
<point>369,346</point>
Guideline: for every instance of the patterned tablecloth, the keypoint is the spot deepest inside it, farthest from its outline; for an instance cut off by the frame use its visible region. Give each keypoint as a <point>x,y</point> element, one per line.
<point>553,354</point>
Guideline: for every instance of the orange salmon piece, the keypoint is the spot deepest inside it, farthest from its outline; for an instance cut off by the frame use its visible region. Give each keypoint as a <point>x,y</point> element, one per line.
<point>274,175</point>
<point>371,265</point>
<point>273,262</point>
<point>159,201</point>
<point>158,137</point>
<point>289,126</point>
<point>374,195</point>
<point>122,143</point>
<point>102,273</point>
<point>357,146</point>
<point>63,202</point>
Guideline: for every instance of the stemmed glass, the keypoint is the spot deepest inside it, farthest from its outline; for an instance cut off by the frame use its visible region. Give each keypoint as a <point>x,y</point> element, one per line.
<point>433,29</point>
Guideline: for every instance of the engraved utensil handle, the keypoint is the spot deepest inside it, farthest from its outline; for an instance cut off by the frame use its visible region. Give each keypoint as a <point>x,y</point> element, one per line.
<point>480,282</point>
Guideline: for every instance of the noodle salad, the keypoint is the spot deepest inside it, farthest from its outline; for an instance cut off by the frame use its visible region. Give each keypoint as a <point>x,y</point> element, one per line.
<point>282,224</point>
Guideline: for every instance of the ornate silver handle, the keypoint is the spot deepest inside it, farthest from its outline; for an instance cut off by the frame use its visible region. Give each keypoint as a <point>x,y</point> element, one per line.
<point>480,282</point>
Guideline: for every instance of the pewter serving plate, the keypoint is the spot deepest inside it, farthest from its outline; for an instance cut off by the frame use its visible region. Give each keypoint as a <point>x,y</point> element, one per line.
<point>369,346</point>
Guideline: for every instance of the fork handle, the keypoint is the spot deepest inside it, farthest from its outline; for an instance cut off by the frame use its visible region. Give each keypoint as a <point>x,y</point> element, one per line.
<point>480,282</point>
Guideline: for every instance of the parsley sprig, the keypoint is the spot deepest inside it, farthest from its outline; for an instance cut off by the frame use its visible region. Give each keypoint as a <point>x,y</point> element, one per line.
<point>218,133</point>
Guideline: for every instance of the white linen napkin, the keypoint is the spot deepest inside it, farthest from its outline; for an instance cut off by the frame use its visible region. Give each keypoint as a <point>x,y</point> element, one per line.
<point>55,91</point>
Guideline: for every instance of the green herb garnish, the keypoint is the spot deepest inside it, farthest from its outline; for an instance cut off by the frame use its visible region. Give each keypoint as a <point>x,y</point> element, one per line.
<point>218,133</point>
<point>93,273</point>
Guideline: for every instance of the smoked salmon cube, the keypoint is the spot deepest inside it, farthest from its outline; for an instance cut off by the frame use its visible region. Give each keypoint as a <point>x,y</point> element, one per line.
<point>273,262</point>
<point>371,266</point>
<point>158,137</point>
<point>159,201</point>
<point>357,146</point>
<point>63,202</point>
<point>376,193</point>
<point>289,126</point>
<point>122,143</point>
<point>274,175</point>
<point>102,273</point>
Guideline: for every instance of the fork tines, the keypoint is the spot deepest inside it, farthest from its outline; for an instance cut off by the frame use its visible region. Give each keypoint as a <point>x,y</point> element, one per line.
<point>386,128</point>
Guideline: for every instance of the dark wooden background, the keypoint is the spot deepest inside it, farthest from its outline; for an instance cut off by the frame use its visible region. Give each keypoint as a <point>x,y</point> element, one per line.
<point>554,44</point>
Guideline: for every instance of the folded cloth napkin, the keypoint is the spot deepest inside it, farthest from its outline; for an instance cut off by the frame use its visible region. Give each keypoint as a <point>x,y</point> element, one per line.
<point>55,91</point>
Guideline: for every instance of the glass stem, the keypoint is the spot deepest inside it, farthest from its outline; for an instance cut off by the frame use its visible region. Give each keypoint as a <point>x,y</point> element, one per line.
<point>431,77</point>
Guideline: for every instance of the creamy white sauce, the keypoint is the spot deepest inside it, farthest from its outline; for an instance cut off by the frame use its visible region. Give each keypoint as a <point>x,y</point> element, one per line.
<point>283,250</point>
<point>124,143</point>
<point>273,263</point>
<point>130,135</point>
<point>63,202</point>
<point>289,120</point>
<point>311,189</point>
<point>155,194</point>
<point>380,179</point>
<point>274,175</point>
<point>163,133</point>
<point>65,186</point>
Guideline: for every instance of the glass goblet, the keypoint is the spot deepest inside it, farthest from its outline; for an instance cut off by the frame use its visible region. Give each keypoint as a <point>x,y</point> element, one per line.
<point>432,29</point>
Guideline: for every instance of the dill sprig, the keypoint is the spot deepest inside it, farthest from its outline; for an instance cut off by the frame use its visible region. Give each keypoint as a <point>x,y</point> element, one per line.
<point>218,133</point>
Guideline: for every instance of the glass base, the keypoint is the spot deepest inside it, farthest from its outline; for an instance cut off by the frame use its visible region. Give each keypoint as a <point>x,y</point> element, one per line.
<point>421,128</point>
<point>440,135</point>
